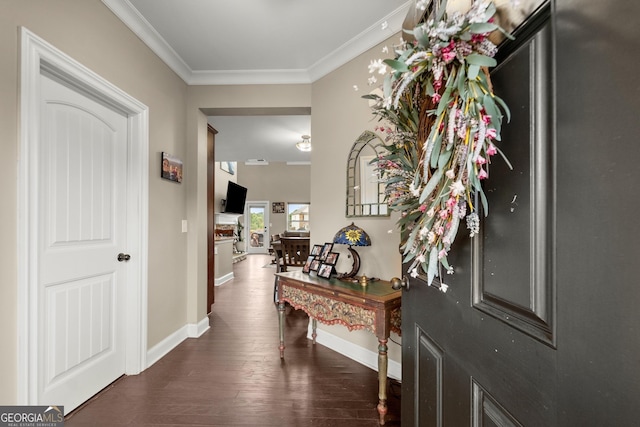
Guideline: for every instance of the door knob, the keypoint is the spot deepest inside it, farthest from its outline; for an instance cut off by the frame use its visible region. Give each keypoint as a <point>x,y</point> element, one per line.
<point>123,257</point>
<point>400,283</point>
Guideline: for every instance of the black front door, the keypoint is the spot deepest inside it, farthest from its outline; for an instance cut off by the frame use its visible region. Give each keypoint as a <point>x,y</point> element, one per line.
<point>539,326</point>
<point>478,352</point>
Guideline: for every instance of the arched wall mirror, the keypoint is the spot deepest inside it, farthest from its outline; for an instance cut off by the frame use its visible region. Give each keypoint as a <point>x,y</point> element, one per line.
<point>365,193</point>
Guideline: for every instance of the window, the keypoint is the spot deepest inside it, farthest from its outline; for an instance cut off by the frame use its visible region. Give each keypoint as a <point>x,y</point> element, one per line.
<point>298,217</point>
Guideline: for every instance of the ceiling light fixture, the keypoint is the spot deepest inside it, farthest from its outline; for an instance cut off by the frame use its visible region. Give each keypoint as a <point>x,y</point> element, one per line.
<point>305,144</point>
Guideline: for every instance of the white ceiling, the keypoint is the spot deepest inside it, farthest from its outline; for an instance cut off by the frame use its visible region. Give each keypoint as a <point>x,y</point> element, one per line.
<point>220,42</point>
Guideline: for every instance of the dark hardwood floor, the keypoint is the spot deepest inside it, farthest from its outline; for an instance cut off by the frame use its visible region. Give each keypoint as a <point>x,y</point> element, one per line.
<point>233,376</point>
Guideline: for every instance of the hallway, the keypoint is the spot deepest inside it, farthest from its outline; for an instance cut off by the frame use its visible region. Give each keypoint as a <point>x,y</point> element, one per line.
<point>233,376</point>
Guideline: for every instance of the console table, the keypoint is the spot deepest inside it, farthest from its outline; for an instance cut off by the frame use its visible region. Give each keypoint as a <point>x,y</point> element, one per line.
<point>375,308</point>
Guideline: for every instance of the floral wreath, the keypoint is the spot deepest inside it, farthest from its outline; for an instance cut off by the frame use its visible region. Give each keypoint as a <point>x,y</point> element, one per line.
<point>444,121</point>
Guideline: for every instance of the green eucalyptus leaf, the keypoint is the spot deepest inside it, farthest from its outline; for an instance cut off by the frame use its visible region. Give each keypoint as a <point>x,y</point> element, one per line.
<point>461,80</point>
<point>481,60</point>
<point>410,240</point>
<point>432,270</point>
<point>421,36</point>
<point>431,185</point>
<point>490,11</point>
<point>482,27</point>
<point>444,158</point>
<point>442,9</point>
<point>473,71</point>
<point>436,151</point>
<point>397,65</point>
<point>504,157</point>
<point>504,106</point>
<point>483,199</point>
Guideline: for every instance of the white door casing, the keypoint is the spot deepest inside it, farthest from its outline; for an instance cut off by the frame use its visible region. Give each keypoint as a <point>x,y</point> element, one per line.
<point>51,226</point>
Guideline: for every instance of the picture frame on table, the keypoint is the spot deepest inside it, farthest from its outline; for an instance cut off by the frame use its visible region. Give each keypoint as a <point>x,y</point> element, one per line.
<point>332,258</point>
<point>328,247</point>
<point>315,264</point>
<point>325,271</point>
<point>306,268</point>
<point>316,250</point>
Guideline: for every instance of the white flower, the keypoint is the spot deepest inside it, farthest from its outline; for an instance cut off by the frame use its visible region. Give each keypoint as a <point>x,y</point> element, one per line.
<point>423,231</point>
<point>431,237</point>
<point>372,80</point>
<point>414,273</point>
<point>421,258</point>
<point>457,188</point>
<point>431,212</point>
<point>355,87</point>
<point>377,65</point>
<point>450,174</point>
<point>385,49</point>
<point>414,191</point>
<point>444,288</point>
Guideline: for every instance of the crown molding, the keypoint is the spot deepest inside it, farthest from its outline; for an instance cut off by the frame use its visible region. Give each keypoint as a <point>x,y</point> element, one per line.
<point>364,41</point>
<point>130,16</point>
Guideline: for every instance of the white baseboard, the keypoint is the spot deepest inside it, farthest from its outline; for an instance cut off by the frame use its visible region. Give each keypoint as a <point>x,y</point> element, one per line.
<point>354,352</point>
<point>172,341</point>
<point>224,279</point>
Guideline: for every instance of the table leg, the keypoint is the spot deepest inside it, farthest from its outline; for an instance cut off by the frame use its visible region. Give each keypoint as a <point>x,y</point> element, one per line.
<point>382,379</point>
<point>281,327</point>
<point>314,327</point>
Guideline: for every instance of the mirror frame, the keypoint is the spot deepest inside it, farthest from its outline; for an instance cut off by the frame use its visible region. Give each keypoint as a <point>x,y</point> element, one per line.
<point>354,208</point>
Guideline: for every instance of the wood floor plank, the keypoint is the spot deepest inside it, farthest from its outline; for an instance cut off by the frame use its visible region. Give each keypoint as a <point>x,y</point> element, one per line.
<point>232,375</point>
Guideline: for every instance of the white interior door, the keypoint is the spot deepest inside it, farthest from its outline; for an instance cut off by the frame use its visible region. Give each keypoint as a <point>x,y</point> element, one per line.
<point>81,229</point>
<point>257,217</point>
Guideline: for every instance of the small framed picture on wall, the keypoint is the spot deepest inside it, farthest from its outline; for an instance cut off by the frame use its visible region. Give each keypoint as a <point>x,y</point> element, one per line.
<point>277,207</point>
<point>171,168</point>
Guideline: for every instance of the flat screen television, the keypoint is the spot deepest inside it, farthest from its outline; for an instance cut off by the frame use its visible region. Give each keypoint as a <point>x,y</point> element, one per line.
<point>236,197</point>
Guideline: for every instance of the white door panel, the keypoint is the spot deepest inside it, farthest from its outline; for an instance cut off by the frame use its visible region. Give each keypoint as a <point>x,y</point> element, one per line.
<point>82,215</point>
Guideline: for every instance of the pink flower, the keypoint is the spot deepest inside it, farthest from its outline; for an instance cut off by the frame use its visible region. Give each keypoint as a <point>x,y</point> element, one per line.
<point>491,150</point>
<point>442,254</point>
<point>490,133</point>
<point>444,213</point>
<point>483,174</point>
<point>448,56</point>
<point>423,208</point>
<point>481,160</point>
<point>451,202</point>
<point>486,119</point>
<point>436,97</point>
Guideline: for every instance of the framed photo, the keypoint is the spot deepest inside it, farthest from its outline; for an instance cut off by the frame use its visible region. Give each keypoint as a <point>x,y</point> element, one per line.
<point>325,251</point>
<point>315,264</point>
<point>316,250</point>
<point>332,258</point>
<point>325,270</point>
<point>307,265</point>
<point>171,168</point>
<point>277,207</point>
<point>228,167</point>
